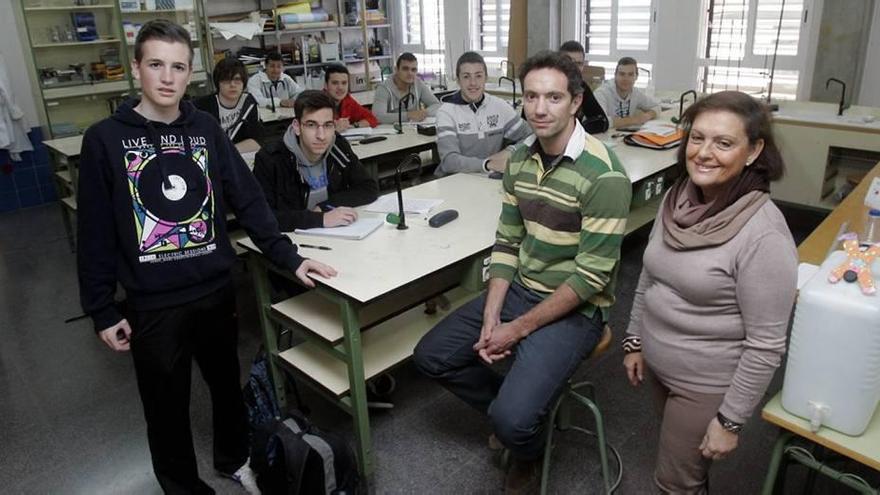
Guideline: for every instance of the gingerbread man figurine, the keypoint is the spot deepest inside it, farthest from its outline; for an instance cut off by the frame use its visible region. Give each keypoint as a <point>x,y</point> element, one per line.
<point>857,265</point>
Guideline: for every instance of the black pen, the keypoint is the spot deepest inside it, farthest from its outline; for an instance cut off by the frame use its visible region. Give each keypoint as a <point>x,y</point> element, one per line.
<point>310,246</point>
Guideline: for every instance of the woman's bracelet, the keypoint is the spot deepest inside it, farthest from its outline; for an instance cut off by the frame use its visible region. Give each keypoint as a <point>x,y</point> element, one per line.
<point>631,344</point>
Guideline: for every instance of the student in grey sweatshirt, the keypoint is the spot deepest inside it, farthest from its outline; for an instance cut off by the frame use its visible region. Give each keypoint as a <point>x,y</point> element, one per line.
<point>404,81</point>
<point>716,291</point>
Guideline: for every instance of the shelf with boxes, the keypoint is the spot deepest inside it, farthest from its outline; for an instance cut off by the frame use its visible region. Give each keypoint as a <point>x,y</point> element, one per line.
<point>309,35</point>
<point>82,52</point>
<point>76,47</point>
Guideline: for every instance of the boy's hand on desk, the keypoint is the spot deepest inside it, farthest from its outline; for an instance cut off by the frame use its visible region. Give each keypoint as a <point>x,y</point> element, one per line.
<point>309,267</point>
<point>342,124</point>
<point>117,337</point>
<point>287,103</point>
<point>417,115</point>
<point>342,215</point>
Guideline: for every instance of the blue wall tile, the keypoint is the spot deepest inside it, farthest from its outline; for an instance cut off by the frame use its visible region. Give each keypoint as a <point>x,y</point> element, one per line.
<point>29,182</point>
<point>7,183</point>
<point>49,193</point>
<point>30,196</point>
<point>27,160</point>
<point>24,178</point>
<point>9,202</point>
<point>41,155</point>
<point>44,174</point>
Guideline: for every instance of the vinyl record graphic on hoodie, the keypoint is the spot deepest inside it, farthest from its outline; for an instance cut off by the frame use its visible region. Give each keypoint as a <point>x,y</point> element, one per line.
<point>176,218</point>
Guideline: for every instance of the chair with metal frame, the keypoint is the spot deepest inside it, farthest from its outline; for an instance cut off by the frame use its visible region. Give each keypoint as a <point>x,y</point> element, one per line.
<point>560,419</point>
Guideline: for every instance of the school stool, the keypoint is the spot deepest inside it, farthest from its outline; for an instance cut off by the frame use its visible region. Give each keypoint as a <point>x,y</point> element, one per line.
<point>560,418</point>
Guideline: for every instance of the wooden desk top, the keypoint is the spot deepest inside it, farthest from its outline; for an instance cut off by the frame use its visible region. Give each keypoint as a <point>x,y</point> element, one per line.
<point>864,449</point>
<point>66,146</point>
<point>389,258</point>
<point>852,210</point>
<point>410,139</point>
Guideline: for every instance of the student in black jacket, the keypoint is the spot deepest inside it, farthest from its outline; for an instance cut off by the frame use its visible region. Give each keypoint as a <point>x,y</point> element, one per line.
<point>236,110</point>
<point>312,178</point>
<point>150,219</point>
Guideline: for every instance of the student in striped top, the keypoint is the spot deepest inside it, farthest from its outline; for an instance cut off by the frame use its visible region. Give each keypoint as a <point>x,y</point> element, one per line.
<point>565,203</point>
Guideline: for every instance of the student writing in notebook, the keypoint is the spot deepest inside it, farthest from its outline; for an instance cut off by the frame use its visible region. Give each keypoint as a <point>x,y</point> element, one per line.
<point>311,177</point>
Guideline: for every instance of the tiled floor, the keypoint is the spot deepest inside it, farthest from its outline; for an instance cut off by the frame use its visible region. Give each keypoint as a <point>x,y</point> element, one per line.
<point>70,417</point>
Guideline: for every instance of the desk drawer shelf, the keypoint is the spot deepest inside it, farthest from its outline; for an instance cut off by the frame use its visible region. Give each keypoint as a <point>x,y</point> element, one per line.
<point>384,346</point>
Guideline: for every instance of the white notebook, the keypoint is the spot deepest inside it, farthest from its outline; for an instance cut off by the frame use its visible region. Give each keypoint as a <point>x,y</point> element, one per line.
<point>356,231</point>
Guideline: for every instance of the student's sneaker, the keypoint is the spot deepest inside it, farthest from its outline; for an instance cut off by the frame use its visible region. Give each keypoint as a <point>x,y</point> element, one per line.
<point>246,477</point>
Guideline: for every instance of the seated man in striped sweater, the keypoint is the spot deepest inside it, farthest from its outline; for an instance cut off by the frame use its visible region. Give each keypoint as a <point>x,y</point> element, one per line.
<point>552,276</point>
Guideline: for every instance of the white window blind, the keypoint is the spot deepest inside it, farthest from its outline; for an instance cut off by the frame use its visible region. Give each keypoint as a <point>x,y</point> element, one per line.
<point>633,24</point>
<point>612,29</point>
<point>424,33</point>
<point>412,22</point>
<point>597,27</point>
<point>493,25</point>
<point>767,24</point>
<point>739,56</point>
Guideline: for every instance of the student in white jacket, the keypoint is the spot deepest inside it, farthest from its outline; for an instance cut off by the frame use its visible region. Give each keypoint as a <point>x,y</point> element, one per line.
<point>273,83</point>
<point>476,132</point>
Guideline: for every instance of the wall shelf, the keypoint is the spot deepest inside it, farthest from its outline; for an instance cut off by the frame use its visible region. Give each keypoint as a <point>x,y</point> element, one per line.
<point>66,8</point>
<point>63,44</point>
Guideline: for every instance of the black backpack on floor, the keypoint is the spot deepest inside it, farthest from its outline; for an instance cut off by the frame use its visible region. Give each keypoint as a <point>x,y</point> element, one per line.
<point>293,457</point>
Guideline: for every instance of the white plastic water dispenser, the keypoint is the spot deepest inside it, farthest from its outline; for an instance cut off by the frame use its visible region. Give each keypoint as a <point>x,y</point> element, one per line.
<point>832,377</point>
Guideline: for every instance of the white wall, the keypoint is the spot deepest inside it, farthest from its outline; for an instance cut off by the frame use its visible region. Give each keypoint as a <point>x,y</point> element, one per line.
<point>869,92</point>
<point>17,68</point>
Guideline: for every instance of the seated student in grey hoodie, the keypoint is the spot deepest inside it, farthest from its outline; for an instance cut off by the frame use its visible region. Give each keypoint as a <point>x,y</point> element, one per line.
<point>311,177</point>
<point>475,130</point>
<point>404,81</point>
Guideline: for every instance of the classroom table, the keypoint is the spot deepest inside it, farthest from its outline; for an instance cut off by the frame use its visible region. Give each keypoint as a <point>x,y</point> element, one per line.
<point>383,281</point>
<point>865,448</point>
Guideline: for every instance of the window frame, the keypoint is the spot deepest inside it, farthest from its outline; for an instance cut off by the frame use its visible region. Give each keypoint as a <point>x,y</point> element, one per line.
<point>646,58</point>
<point>751,61</point>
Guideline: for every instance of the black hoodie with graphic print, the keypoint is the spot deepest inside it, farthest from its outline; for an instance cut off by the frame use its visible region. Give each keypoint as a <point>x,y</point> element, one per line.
<point>155,221</point>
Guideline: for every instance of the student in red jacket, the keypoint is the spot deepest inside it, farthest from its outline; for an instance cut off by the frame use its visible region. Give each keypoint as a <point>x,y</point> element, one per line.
<point>351,113</point>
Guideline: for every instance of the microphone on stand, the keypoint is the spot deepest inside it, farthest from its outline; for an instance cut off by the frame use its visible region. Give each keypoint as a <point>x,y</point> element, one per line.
<point>401,214</point>
<point>406,99</point>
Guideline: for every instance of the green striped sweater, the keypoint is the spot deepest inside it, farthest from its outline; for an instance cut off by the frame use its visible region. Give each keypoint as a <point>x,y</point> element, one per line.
<point>565,224</point>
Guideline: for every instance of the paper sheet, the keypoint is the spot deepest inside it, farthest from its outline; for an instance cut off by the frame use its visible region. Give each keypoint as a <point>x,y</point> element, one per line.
<point>356,231</point>
<point>229,30</point>
<point>388,204</point>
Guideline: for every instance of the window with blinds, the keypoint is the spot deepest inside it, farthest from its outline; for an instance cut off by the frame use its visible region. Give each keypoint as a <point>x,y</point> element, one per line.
<point>773,17</point>
<point>740,56</point>
<point>424,33</point>
<point>616,25</point>
<point>633,25</point>
<point>493,26</point>
<point>412,22</point>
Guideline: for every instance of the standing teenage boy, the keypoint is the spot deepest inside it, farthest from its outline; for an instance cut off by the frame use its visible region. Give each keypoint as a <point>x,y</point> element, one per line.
<point>273,83</point>
<point>350,113</point>
<point>405,81</point>
<point>476,131</point>
<point>150,218</point>
<point>564,209</point>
